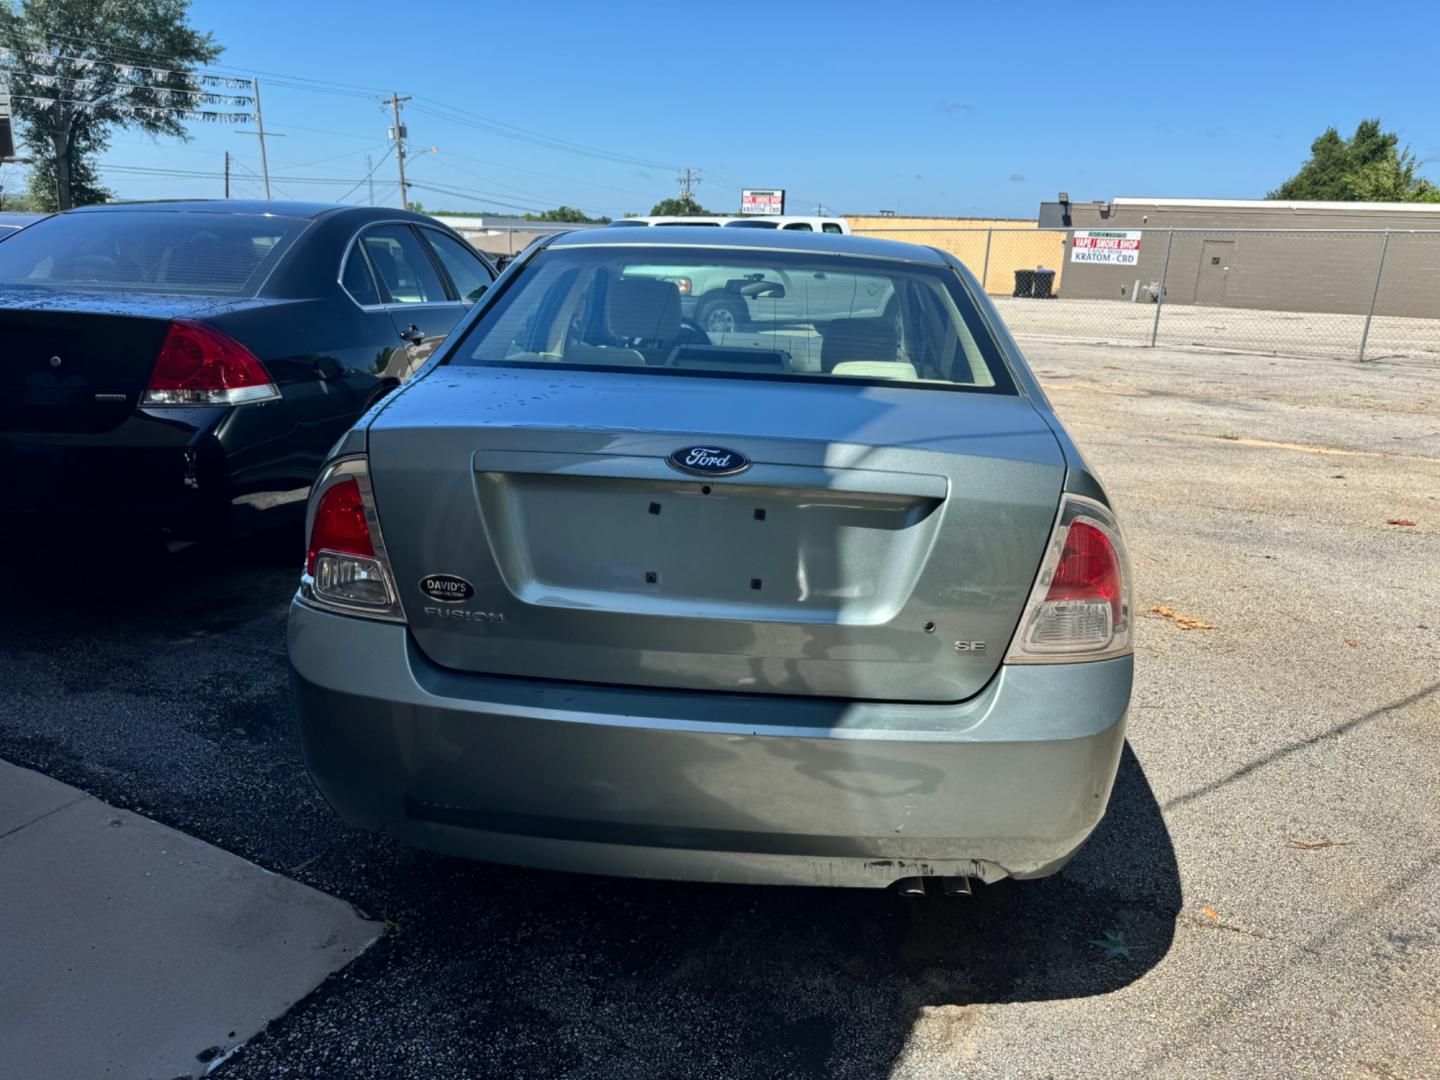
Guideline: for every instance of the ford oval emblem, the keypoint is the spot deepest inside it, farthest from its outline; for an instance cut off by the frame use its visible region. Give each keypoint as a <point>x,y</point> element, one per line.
<point>447,588</point>
<point>709,460</point>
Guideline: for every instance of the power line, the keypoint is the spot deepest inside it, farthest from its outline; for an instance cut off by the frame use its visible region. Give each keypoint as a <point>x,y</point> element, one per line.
<point>509,131</point>
<point>367,176</point>
<point>440,160</point>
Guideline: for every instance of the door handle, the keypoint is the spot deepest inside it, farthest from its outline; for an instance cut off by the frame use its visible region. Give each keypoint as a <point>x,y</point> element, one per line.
<point>413,334</point>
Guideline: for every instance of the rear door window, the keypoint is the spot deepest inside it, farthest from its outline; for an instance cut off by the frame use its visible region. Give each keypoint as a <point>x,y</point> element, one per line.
<point>467,271</point>
<point>831,227</point>
<point>357,279</point>
<point>403,266</point>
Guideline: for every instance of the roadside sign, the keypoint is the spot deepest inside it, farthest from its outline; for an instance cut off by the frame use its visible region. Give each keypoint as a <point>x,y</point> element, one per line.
<point>762,201</point>
<point>1115,247</point>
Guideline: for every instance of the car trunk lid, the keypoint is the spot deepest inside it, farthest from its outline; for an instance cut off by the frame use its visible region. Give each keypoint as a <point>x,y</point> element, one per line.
<point>76,362</point>
<point>875,529</point>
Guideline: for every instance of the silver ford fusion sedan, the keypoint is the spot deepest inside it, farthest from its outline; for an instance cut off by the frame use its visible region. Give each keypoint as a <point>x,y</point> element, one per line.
<point>821,593</point>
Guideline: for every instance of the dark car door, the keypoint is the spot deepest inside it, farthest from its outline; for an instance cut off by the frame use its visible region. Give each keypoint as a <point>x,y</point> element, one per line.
<point>422,307</point>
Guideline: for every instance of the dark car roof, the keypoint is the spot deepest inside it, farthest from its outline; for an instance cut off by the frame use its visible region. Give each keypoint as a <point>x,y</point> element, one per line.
<point>750,240</point>
<point>277,207</point>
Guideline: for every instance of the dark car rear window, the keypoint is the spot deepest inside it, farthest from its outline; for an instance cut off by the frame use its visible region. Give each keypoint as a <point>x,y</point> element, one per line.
<point>150,251</point>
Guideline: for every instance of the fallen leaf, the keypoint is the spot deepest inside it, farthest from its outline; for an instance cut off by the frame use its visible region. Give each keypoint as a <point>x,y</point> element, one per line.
<point>1398,521</point>
<point>1303,845</point>
<point>1352,643</point>
<point>1421,626</point>
<point>1211,913</point>
<point>1184,622</point>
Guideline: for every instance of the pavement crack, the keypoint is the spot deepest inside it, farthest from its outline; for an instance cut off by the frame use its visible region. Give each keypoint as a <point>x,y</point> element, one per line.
<point>48,813</point>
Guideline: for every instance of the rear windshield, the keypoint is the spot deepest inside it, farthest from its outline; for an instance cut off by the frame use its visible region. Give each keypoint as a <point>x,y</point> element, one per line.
<point>743,314</point>
<point>150,251</point>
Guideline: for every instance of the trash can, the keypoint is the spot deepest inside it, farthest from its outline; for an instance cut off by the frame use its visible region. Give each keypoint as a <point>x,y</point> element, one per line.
<point>1024,283</point>
<point>1044,284</point>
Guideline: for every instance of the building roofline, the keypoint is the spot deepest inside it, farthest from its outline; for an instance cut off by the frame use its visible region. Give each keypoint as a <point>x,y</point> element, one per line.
<point>1276,204</point>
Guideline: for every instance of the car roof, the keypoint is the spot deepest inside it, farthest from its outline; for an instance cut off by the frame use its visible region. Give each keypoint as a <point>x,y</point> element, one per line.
<point>750,240</point>
<point>276,208</point>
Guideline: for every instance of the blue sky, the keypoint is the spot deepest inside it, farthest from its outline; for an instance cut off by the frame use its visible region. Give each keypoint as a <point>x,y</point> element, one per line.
<point>946,108</point>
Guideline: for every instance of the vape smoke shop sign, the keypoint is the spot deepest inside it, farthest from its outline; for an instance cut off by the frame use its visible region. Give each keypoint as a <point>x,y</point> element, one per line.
<point>762,201</point>
<point>1112,247</point>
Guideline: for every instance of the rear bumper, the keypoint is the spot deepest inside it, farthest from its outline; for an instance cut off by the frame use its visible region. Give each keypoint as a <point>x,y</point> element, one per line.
<point>705,786</point>
<point>184,470</point>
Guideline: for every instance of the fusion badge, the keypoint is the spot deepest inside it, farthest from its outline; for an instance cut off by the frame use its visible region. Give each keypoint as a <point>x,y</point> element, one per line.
<point>709,460</point>
<point>447,588</point>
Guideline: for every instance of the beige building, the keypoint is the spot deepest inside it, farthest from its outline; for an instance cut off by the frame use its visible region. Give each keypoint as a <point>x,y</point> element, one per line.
<point>1252,254</point>
<point>992,247</point>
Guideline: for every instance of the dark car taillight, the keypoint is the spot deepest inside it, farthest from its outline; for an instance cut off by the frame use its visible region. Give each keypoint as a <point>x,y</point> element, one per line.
<point>199,365</point>
<point>346,567</point>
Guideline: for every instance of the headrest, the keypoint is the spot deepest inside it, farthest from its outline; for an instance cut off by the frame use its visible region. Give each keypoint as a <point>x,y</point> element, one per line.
<point>642,309</point>
<point>858,339</point>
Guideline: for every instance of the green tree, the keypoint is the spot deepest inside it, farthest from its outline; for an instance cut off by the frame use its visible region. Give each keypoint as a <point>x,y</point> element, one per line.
<point>567,215</point>
<point>1370,166</point>
<point>678,208</point>
<point>81,67</point>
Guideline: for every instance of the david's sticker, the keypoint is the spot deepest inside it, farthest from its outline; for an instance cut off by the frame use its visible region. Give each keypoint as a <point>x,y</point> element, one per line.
<point>447,588</point>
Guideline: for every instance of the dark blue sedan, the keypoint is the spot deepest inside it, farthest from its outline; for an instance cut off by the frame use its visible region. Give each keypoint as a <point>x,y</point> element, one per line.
<point>181,365</point>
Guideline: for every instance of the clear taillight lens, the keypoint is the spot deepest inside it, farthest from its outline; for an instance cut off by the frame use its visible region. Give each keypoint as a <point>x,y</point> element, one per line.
<point>1079,608</point>
<point>346,568</point>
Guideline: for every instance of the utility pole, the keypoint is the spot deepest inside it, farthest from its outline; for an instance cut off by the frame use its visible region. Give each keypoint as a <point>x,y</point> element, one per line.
<point>260,131</point>
<point>227,174</point>
<point>688,179</point>
<point>260,124</point>
<point>370,178</point>
<point>399,133</point>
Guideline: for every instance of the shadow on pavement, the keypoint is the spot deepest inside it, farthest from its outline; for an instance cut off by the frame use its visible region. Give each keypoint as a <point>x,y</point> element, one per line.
<point>512,972</point>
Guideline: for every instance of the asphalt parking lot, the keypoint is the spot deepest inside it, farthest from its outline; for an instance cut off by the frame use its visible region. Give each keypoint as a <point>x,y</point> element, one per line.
<point>1261,898</point>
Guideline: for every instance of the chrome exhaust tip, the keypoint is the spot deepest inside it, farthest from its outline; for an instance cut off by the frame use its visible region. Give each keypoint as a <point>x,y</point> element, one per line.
<point>957,886</point>
<point>922,886</point>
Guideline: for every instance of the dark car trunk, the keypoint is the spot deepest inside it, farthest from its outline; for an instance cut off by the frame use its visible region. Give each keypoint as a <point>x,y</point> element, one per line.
<point>876,528</point>
<point>76,362</point>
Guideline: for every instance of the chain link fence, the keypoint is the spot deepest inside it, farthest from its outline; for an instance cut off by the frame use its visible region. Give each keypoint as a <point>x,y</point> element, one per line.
<point>1359,294</point>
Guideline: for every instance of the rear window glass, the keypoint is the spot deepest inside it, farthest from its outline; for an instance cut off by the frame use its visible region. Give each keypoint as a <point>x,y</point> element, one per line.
<point>149,251</point>
<point>727,312</point>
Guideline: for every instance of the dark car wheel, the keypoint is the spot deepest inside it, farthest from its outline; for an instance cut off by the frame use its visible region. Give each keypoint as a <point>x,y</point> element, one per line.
<point>721,316</point>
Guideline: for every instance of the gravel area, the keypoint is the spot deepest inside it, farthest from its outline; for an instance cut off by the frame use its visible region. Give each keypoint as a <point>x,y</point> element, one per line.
<point>1260,900</point>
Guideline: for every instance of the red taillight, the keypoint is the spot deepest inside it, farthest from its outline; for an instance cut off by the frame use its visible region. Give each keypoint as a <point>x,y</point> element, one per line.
<point>198,365</point>
<point>1088,569</point>
<point>339,524</point>
<point>346,568</point>
<point>1079,606</point>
